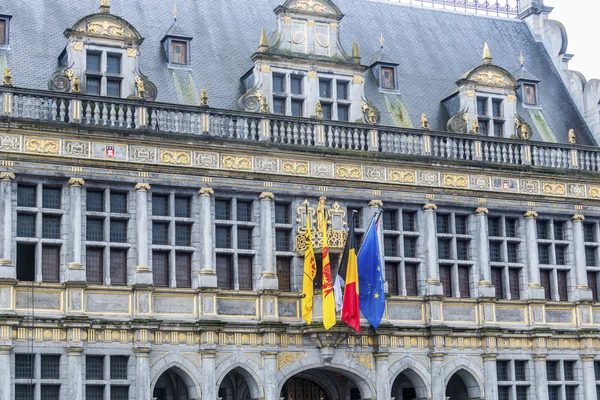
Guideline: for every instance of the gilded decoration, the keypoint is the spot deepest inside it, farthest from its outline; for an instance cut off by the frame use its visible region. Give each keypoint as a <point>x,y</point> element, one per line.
<point>470,93</point>
<point>76,182</point>
<point>480,182</point>
<point>295,167</point>
<point>206,192</point>
<point>594,192</point>
<point>131,52</point>
<point>321,218</point>
<point>175,157</point>
<point>577,190</point>
<point>491,78</point>
<point>268,196</point>
<point>481,211</point>
<point>77,149</point>
<point>376,174</point>
<point>143,154</point>
<point>451,180</point>
<point>312,74</point>
<point>7,176</point>
<point>207,160</point>
<point>530,187</point>
<point>572,136</point>
<point>286,358</point>
<point>357,79</point>
<point>578,218</point>
<point>531,214</point>
<point>511,98</point>
<point>142,187</point>
<point>7,80</point>
<point>78,46</point>
<point>402,176</point>
<point>43,146</point>
<point>554,189</point>
<point>429,207</point>
<point>264,164</point>
<point>364,359</point>
<point>106,28</point>
<point>348,172</point>
<point>237,162</point>
<point>429,178</point>
<point>311,5</point>
<point>322,170</point>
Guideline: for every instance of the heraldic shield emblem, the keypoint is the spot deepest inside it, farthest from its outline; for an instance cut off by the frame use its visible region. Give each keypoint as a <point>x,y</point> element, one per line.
<point>110,151</point>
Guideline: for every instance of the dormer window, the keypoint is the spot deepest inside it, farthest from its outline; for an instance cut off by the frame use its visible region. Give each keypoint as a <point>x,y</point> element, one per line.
<point>103,73</point>
<point>4,22</point>
<point>335,105</point>
<point>179,52</point>
<point>388,80</point>
<point>529,94</point>
<point>490,114</point>
<point>288,93</point>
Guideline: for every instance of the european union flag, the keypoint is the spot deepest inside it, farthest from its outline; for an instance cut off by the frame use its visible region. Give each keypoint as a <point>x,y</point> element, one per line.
<point>370,278</point>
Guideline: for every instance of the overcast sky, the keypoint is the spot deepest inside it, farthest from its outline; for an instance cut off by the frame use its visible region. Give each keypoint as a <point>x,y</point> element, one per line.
<point>580,18</point>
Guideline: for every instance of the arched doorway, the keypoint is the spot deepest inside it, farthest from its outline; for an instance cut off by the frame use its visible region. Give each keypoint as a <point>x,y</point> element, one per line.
<point>238,384</point>
<point>408,386</point>
<point>462,386</point>
<point>173,384</point>
<point>321,384</point>
<point>304,389</point>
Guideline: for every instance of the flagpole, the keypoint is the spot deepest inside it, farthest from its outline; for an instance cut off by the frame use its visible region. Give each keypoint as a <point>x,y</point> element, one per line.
<point>371,224</point>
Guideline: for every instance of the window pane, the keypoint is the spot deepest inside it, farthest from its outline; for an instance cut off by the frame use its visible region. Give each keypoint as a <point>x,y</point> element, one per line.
<point>245,273</point>
<point>494,248</point>
<point>411,279</point>
<point>515,283</point>
<point>282,240</point>
<point>95,200</point>
<point>278,106</point>
<point>542,229</point>
<point>160,233</point>
<point>553,392</point>
<point>529,94</point>
<point>389,246</point>
<point>408,221</point>
<point>282,214</point>
<point>561,255</point>
<point>544,253</point>
<point>160,205</point>
<point>94,368</point>
<point>51,227</point>
<point>387,78</point>
<point>183,207</point>
<point>50,392</point>
<point>569,369</point>
<point>119,392</point>
<point>511,227</point>
<point>118,367</point>
<point>342,90</point>
<point>23,366</point>
<point>25,225</point>
<point>50,263</point>
<point>223,236</point>
<point>589,232</point>
<point>559,230</point>
<point>443,223</point>
<point>389,220</point>
<point>244,238</point>
<point>502,370</point>
<point>561,277</point>
<point>118,267</point>
<point>497,108</point>
<point>494,226</point>
<point>552,370</point>
<point>26,196</point>
<point>498,129</point>
<point>444,249</point>
<point>483,127</point>
<point>512,252</point>
<point>224,271</point>
<point>343,113</point>
<point>545,283</point>
<point>482,106</point>
<point>26,262</point>
<point>463,281</point>
<point>94,392</point>
<point>23,392</point>
<point>590,257</point>
<point>391,277</point>
<point>3,31</point>
<point>461,224</point>
<point>118,203</point>
<point>118,231</point>
<point>183,270</point>
<point>570,392</point>
<point>462,250</point>
<point>520,370</point>
<point>183,235</point>
<point>296,82</point>
<point>326,111</point>
<point>92,62</point>
<point>503,392</point>
<point>222,210</point>
<point>297,106</point>
<point>94,262</point>
<point>160,268</point>
<point>284,272</point>
<point>278,83</point>
<point>497,281</point>
<point>244,211</point>
<point>51,198</point>
<point>324,88</point>
<point>178,52</point>
<point>593,285</point>
<point>113,88</point>
<point>410,247</point>
<point>92,86</point>
<point>446,280</point>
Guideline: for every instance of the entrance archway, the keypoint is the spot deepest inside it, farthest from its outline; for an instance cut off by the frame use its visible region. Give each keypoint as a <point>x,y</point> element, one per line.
<point>321,384</point>
<point>238,384</point>
<point>173,384</point>
<point>462,386</point>
<point>408,386</point>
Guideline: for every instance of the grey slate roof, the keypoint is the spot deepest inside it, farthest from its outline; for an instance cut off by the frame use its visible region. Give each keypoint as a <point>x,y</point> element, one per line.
<point>433,48</point>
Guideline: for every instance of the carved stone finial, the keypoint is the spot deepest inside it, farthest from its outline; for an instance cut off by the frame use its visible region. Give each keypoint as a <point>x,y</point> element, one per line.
<point>375,204</point>
<point>266,196</point>
<point>531,214</point>
<point>7,81</point>
<point>206,192</point>
<point>203,98</point>
<point>7,176</point>
<point>104,6</point>
<point>264,42</point>
<point>76,88</point>
<point>264,106</point>
<point>174,11</point>
<point>140,87</point>
<point>481,211</point>
<point>429,207</point>
<point>76,182</point>
<point>487,55</point>
<point>142,187</point>
<point>355,52</point>
<point>424,122</point>
<point>572,137</point>
<point>578,218</point>
<point>522,59</point>
<point>319,111</point>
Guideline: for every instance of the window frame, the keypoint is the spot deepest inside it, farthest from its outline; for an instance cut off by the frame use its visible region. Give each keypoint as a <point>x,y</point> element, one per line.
<point>333,101</point>
<point>6,30</point>
<point>287,96</point>
<point>524,97</point>
<point>37,382</point>
<point>553,293</point>
<point>103,76</point>
<point>513,383</point>
<point>285,256</point>
<point>168,48</point>
<point>107,382</point>
<point>593,246</point>
<point>487,120</point>
<point>505,290</point>
<point>560,382</point>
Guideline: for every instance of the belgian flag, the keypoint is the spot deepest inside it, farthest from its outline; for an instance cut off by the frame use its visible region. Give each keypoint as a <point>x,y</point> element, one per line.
<point>349,272</point>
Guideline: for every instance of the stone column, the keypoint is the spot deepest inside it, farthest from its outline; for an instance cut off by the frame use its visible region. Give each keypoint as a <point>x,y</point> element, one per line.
<point>143,273</point>
<point>541,380</point>
<point>581,292</point>
<point>5,366</point>
<point>268,275</point>
<point>75,269</point>
<point>434,287</point>
<point>270,375</point>
<point>438,387</point>
<point>75,385</point>
<point>209,379</point>
<point>490,376</point>
<point>482,248</point>
<point>7,269</point>
<point>589,376</point>
<point>534,290</point>
<point>142,373</point>
<point>208,276</point>
<point>383,376</point>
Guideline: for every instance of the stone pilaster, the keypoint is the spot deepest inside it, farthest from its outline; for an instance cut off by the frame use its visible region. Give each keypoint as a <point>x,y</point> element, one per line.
<point>438,386</point>
<point>5,366</point>
<point>382,376</point>
<point>581,292</point>
<point>270,375</point>
<point>434,287</point>
<point>209,379</point>
<point>208,275</point>
<point>541,380</point>
<point>75,269</point>
<point>485,287</point>
<point>268,275</point>
<point>74,361</point>
<point>589,377</point>
<point>534,290</point>
<point>490,376</point>
<point>143,273</point>
<point>142,373</point>
<point>7,268</point>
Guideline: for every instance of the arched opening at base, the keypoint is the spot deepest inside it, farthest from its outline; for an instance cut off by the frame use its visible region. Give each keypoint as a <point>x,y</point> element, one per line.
<point>235,385</point>
<point>409,386</point>
<point>462,386</point>
<point>320,384</point>
<point>172,385</point>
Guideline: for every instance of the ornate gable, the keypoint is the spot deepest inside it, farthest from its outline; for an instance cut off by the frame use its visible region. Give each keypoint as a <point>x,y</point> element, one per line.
<point>312,7</point>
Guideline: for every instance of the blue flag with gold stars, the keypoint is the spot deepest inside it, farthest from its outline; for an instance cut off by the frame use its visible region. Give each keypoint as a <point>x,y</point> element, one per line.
<point>370,277</point>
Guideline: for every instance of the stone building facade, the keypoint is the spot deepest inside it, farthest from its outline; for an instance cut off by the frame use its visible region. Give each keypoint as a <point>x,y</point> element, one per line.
<point>151,231</point>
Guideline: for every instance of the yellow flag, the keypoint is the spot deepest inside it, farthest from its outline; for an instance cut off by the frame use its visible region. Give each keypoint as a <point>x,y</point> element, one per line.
<point>310,271</point>
<point>327,292</point>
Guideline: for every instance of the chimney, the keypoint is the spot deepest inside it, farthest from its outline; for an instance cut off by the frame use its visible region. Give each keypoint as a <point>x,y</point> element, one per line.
<point>534,13</point>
